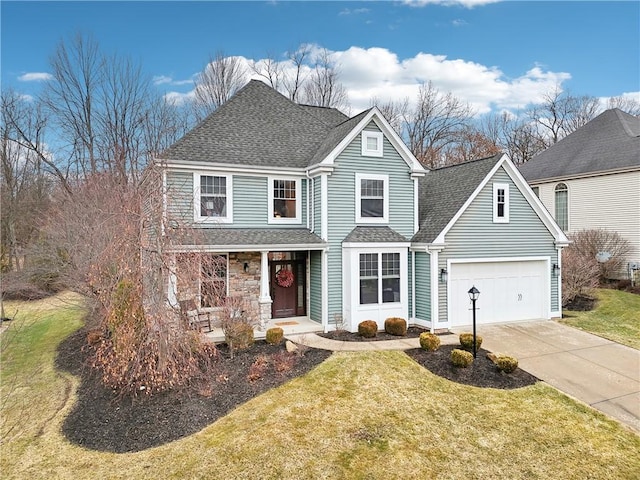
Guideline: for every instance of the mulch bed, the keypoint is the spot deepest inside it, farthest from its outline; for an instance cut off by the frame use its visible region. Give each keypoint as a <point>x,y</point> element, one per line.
<point>481,373</point>
<point>102,421</point>
<point>345,336</point>
<point>580,304</point>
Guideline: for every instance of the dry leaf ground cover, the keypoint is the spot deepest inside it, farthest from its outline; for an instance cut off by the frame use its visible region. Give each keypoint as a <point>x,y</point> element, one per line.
<point>356,415</point>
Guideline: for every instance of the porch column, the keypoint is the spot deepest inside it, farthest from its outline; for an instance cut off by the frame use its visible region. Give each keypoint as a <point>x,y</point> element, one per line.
<point>265,297</point>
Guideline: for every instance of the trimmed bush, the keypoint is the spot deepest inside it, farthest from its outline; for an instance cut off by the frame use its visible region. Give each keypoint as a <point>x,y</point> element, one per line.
<point>506,363</point>
<point>429,341</point>
<point>395,326</point>
<point>466,341</point>
<point>241,338</point>
<point>274,335</point>
<point>368,329</point>
<point>461,358</point>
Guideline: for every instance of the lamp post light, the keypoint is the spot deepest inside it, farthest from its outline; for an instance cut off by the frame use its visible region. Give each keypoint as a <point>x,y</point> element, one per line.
<point>474,293</point>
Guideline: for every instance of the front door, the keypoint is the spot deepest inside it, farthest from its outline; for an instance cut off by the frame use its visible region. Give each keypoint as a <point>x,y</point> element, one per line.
<point>287,288</point>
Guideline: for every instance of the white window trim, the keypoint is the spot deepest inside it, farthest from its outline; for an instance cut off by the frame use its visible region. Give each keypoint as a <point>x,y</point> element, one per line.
<point>496,187</point>
<point>366,151</point>
<point>196,199</point>
<point>298,217</point>
<point>358,188</point>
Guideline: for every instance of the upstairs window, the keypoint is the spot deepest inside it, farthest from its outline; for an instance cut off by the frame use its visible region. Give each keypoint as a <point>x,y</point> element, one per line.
<point>212,198</point>
<point>372,144</point>
<point>500,203</point>
<point>284,200</point>
<point>372,198</point>
<point>562,206</point>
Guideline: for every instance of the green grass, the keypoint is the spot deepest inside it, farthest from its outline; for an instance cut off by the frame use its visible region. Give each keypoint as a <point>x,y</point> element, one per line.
<point>616,317</point>
<point>369,415</point>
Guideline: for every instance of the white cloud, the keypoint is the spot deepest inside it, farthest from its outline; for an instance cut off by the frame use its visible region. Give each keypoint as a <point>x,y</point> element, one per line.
<point>458,22</point>
<point>35,77</point>
<point>449,3</point>
<point>179,98</point>
<point>378,72</point>
<point>355,11</point>
<point>165,80</point>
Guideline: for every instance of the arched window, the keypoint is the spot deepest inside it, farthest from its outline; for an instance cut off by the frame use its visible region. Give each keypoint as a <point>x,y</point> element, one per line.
<point>562,206</point>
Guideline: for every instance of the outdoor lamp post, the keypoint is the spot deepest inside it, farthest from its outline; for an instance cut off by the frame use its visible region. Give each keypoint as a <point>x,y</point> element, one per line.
<point>474,293</point>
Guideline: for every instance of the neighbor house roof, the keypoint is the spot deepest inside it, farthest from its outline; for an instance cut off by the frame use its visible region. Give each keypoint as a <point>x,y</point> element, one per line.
<point>609,142</point>
<point>444,191</point>
<point>259,127</point>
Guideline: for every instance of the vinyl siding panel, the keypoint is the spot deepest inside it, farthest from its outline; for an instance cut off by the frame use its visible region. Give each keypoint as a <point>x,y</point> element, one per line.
<point>476,236</point>
<point>341,204</point>
<point>317,205</point>
<point>250,202</point>
<point>315,286</point>
<point>180,197</point>
<point>423,286</point>
<point>610,202</point>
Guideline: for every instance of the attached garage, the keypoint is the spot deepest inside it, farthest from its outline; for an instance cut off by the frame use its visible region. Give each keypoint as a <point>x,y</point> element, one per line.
<point>510,290</point>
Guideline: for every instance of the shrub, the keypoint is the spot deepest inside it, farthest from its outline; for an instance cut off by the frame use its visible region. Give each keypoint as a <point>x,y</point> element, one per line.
<point>274,335</point>
<point>506,363</point>
<point>429,341</point>
<point>579,275</point>
<point>395,326</point>
<point>466,341</point>
<point>368,329</point>
<point>587,243</point>
<point>237,328</point>
<point>461,358</point>
<point>258,368</point>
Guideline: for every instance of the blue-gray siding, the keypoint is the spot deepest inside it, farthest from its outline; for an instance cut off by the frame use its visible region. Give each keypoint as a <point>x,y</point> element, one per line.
<point>423,286</point>
<point>341,189</point>
<point>315,286</point>
<point>476,236</point>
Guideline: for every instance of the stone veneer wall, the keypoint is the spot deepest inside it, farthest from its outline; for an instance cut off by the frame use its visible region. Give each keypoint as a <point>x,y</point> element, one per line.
<point>247,284</point>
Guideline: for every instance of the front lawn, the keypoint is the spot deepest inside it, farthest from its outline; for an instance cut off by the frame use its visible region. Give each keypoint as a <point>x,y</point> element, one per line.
<point>357,415</point>
<point>615,317</point>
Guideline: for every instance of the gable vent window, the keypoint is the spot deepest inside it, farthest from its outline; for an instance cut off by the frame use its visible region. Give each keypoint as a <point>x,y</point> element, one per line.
<point>500,203</point>
<point>372,144</point>
<point>562,206</point>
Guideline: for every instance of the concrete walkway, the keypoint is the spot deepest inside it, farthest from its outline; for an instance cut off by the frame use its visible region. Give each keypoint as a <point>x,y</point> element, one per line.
<point>599,372</point>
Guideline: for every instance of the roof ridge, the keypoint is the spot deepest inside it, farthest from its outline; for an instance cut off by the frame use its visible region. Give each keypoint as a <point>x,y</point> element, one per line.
<point>475,160</point>
<point>620,114</point>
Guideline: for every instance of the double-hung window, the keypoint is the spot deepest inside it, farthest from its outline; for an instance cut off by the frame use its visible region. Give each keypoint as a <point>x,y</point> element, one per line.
<point>500,203</point>
<point>379,278</point>
<point>284,200</point>
<point>213,197</point>
<point>372,198</point>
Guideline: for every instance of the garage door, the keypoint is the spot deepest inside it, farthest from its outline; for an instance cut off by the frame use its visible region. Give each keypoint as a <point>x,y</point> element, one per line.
<point>509,291</point>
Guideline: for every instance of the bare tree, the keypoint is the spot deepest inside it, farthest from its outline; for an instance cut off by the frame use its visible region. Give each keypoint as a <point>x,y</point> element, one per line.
<point>221,78</point>
<point>294,80</point>
<point>626,104</point>
<point>269,69</point>
<point>471,144</point>
<point>323,87</point>
<point>434,124</point>
<point>394,112</point>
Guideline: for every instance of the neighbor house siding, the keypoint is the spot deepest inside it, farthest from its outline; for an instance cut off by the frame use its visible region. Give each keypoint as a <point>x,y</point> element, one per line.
<point>610,202</point>
<point>423,286</point>
<point>341,190</point>
<point>476,236</point>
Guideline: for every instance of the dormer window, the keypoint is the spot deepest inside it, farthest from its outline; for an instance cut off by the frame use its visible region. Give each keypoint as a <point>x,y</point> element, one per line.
<point>500,203</point>
<point>212,198</point>
<point>372,144</point>
<point>372,198</point>
<point>284,200</point>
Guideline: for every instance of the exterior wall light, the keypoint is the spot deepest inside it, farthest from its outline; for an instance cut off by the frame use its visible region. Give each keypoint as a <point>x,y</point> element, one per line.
<point>444,275</point>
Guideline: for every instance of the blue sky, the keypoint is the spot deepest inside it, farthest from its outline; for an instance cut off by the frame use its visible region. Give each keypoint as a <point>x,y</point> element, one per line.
<point>494,55</point>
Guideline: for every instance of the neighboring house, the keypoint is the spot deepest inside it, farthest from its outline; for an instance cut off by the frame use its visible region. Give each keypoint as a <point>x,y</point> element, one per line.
<point>321,217</point>
<point>591,178</point>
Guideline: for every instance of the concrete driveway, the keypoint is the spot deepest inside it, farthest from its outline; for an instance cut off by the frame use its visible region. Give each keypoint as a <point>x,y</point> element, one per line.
<point>599,372</point>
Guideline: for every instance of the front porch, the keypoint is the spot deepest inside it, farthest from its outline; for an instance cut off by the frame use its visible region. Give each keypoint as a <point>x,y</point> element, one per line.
<point>291,326</point>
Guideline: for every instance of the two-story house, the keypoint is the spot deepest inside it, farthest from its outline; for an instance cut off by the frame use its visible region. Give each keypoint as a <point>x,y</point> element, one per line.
<point>316,218</point>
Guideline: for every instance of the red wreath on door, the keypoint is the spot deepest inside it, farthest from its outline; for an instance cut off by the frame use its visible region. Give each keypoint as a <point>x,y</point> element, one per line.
<point>284,278</point>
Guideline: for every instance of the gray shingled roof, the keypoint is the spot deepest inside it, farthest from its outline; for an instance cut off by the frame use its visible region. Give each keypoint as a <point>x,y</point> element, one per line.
<point>611,141</point>
<point>259,127</point>
<point>335,137</point>
<point>381,234</point>
<point>444,191</point>
<point>242,237</point>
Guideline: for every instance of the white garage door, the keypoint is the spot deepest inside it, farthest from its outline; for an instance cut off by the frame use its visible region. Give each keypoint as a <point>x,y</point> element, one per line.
<point>509,291</point>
